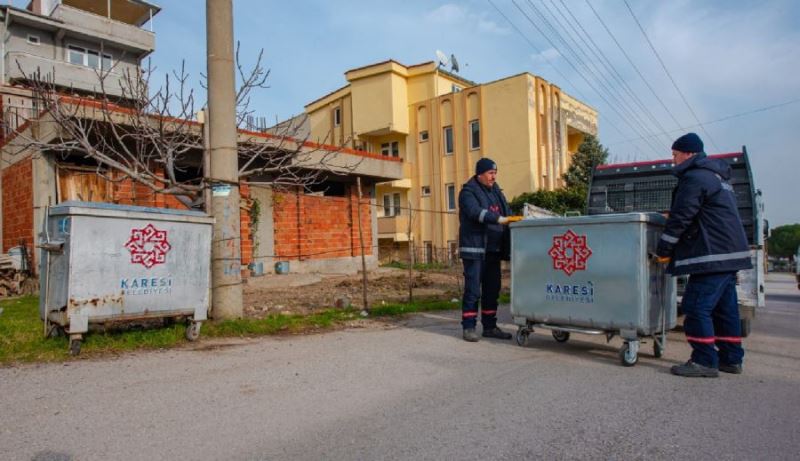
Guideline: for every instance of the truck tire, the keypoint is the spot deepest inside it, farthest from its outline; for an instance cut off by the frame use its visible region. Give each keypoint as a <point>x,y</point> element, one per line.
<point>746,324</point>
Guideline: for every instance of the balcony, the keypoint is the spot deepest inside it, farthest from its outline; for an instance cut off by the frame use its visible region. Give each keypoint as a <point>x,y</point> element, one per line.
<point>94,26</point>
<point>68,75</point>
<point>393,227</point>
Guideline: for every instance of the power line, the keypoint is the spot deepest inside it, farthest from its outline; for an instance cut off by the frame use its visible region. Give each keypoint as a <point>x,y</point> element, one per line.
<point>635,67</point>
<point>663,66</point>
<point>539,52</point>
<point>582,75</point>
<point>722,119</point>
<point>603,59</point>
<point>598,73</point>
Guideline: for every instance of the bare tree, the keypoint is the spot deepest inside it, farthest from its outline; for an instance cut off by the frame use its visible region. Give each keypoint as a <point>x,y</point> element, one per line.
<point>150,135</point>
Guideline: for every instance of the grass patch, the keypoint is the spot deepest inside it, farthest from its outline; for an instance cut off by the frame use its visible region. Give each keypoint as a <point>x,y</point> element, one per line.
<point>434,266</point>
<point>22,339</point>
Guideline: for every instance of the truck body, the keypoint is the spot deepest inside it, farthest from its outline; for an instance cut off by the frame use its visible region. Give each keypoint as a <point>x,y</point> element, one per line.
<point>648,186</point>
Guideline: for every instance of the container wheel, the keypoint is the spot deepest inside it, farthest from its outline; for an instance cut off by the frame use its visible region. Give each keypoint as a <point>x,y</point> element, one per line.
<point>628,356</point>
<point>658,349</point>
<point>54,331</point>
<point>522,336</point>
<point>193,331</point>
<point>561,336</point>
<point>74,347</point>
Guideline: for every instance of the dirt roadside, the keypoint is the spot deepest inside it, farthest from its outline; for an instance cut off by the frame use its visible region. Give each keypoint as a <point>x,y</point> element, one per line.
<point>306,293</point>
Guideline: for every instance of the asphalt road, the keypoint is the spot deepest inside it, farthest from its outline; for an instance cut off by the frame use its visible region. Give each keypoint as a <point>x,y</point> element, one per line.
<point>412,391</point>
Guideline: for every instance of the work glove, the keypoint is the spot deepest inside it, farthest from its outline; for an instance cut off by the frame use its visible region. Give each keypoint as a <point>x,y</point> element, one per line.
<point>508,219</point>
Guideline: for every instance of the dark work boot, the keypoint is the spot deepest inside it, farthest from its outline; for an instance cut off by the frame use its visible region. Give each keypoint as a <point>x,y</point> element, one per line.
<point>470,335</point>
<point>496,333</point>
<point>732,369</point>
<point>694,370</point>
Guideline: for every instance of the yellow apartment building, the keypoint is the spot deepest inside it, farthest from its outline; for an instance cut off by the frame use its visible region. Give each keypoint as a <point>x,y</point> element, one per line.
<point>440,124</point>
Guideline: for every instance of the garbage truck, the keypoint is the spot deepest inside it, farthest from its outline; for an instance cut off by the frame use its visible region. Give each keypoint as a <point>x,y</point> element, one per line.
<point>647,187</point>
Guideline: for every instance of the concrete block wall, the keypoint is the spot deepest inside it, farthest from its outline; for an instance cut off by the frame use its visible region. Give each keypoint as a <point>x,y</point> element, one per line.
<point>18,204</point>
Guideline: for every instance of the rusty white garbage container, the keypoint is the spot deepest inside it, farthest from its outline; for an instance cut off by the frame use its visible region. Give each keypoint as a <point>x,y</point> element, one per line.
<point>592,275</point>
<point>107,263</point>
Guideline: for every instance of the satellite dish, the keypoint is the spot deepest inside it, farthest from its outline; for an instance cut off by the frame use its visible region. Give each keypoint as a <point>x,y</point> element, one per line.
<point>453,63</point>
<point>441,58</point>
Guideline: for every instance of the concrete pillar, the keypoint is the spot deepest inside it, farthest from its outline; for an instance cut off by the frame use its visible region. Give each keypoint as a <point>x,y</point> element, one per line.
<point>226,250</point>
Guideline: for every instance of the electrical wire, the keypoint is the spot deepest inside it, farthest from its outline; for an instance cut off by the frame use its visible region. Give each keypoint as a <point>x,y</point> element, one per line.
<point>722,119</point>
<point>581,74</point>
<point>589,63</point>
<point>598,52</point>
<point>574,87</point>
<point>635,67</point>
<point>663,66</point>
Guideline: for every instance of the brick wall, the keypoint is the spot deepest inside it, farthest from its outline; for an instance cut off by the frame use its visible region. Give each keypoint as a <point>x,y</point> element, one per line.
<point>128,192</point>
<point>318,227</point>
<point>18,204</point>
<point>245,232</point>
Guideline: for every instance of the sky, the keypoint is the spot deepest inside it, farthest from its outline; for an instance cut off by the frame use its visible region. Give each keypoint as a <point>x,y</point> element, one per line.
<point>732,67</point>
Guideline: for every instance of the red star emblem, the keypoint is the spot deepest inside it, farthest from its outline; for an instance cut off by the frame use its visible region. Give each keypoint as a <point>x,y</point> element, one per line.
<point>148,246</point>
<point>570,252</point>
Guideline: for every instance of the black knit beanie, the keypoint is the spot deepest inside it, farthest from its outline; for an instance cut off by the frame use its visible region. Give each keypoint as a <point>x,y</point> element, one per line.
<point>484,165</point>
<point>689,142</point>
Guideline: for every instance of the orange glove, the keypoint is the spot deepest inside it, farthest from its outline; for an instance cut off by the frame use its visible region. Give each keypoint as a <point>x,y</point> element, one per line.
<point>663,259</point>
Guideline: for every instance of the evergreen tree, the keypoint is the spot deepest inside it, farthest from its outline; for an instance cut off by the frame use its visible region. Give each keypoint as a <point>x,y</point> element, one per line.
<point>590,154</point>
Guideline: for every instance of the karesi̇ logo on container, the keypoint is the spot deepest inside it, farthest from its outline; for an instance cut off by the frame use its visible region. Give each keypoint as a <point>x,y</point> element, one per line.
<point>570,252</point>
<point>148,246</point>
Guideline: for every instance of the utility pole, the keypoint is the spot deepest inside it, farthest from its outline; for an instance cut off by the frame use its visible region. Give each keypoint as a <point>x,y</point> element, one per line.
<point>226,276</point>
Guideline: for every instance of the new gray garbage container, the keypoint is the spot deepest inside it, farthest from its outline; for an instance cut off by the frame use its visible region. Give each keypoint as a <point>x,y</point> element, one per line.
<point>103,262</point>
<point>592,274</point>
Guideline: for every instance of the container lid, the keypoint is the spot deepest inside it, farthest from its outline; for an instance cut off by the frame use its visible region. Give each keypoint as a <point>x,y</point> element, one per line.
<point>77,208</point>
<point>653,218</point>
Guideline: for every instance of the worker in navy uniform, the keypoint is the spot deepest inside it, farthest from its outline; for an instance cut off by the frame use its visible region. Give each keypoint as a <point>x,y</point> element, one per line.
<point>484,241</point>
<point>704,238</point>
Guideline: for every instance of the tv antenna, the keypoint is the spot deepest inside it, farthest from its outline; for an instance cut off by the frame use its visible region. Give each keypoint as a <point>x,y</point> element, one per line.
<point>453,63</point>
<point>441,59</point>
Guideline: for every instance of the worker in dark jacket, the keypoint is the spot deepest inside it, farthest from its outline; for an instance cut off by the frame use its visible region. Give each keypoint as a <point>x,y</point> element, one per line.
<point>704,237</point>
<point>484,241</point>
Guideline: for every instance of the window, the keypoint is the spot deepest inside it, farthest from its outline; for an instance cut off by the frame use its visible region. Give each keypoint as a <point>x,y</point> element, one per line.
<point>33,39</point>
<point>448,140</point>
<point>426,191</point>
<point>474,135</point>
<point>93,59</point>
<point>450,190</point>
<point>423,136</point>
<point>428,256</point>
<point>396,204</point>
<point>390,148</point>
<point>455,88</point>
<point>337,116</point>
<point>391,205</point>
<point>89,58</point>
<point>76,55</point>
<point>387,205</point>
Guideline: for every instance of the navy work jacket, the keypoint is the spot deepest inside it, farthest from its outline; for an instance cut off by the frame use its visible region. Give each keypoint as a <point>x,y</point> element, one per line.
<point>474,217</point>
<point>704,233</point>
